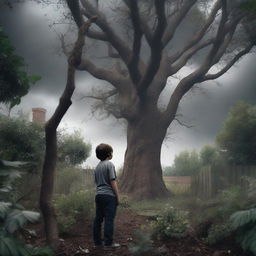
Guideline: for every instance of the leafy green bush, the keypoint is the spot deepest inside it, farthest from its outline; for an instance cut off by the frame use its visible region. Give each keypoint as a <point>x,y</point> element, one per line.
<point>217,233</point>
<point>75,205</point>
<point>230,200</point>
<point>173,223</point>
<point>13,216</point>
<point>68,179</point>
<point>244,222</point>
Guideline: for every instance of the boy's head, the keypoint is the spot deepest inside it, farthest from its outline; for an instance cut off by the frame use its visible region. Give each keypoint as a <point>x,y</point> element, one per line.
<point>103,151</point>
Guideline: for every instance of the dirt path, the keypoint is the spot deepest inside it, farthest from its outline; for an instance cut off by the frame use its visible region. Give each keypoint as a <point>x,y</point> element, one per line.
<point>79,241</point>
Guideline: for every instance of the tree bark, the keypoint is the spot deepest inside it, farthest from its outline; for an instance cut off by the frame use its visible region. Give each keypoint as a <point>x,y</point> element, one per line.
<point>47,184</point>
<point>142,172</point>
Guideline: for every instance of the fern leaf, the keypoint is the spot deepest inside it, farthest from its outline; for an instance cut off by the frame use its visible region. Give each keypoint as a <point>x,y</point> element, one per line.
<point>248,240</point>
<point>4,207</point>
<point>17,218</point>
<point>241,218</point>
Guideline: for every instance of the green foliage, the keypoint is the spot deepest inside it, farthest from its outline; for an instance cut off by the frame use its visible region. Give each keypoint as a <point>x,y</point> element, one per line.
<point>172,223</point>
<point>169,171</point>
<point>242,218</point>
<point>186,164</point>
<point>75,205</point>
<point>217,233</point>
<point>238,137</point>
<point>72,149</point>
<point>13,217</point>
<point>208,155</point>
<point>143,243</point>
<point>68,179</point>
<point>244,222</point>
<point>21,140</point>
<point>14,81</point>
<point>230,200</point>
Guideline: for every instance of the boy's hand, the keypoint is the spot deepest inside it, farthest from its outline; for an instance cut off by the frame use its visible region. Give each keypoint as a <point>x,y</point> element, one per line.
<point>115,188</point>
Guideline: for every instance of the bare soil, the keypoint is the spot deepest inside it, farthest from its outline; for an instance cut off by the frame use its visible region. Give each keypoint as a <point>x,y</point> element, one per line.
<point>79,241</point>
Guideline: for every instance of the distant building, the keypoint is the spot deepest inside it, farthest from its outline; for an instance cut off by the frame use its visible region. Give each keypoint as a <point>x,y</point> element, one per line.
<point>38,115</point>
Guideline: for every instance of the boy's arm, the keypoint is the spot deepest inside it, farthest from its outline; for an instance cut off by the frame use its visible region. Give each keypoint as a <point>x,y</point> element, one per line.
<point>115,188</point>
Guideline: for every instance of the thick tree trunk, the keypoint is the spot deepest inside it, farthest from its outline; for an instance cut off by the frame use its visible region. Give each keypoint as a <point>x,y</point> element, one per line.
<point>142,173</point>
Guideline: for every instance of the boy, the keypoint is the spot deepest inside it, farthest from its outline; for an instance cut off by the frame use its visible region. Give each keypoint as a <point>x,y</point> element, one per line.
<point>107,197</point>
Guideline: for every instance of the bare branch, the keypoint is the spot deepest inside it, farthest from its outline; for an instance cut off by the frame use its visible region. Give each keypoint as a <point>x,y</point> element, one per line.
<point>187,55</point>
<point>182,123</point>
<point>200,34</point>
<point>102,96</point>
<point>156,47</point>
<point>63,45</point>
<point>230,64</point>
<point>97,35</point>
<point>113,38</point>
<point>176,20</point>
<point>111,76</point>
<point>75,11</point>
<point>187,83</point>
<point>112,53</point>
<point>133,64</point>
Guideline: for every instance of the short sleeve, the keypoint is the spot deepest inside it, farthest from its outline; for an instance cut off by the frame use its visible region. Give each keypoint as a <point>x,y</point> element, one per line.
<point>112,171</point>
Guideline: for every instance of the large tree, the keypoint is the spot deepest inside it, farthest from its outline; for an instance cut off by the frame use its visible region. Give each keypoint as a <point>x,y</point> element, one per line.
<point>145,47</point>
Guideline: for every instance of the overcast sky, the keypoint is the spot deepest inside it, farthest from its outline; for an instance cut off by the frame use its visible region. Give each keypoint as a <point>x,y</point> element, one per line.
<point>27,27</point>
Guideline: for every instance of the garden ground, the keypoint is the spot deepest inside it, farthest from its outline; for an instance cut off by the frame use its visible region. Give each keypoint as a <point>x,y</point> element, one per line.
<point>79,240</point>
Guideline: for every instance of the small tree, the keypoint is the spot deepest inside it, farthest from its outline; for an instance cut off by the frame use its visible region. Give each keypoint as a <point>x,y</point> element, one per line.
<point>238,137</point>
<point>186,164</point>
<point>208,155</point>
<point>49,166</point>
<point>72,149</point>
<point>21,140</point>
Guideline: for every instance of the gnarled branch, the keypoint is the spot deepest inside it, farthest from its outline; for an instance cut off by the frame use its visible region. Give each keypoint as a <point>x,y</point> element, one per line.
<point>230,64</point>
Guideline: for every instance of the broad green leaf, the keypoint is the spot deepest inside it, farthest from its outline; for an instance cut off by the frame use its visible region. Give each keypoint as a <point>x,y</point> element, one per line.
<point>241,218</point>
<point>17,218</point>
<point>4,207</point>
<point>15,164</point>
<point>10,246</point>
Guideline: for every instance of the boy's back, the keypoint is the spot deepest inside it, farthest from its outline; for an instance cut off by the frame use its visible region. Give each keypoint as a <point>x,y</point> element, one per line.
<point>103,174</point>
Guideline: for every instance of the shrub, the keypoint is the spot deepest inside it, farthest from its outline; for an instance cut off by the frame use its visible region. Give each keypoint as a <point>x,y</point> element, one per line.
<point>173,223</point>
<point>73,206</point>
<point>69,179</point>
<point>230,200</point>
<point>13,216</point>
<point>244,222</point>
<point>217,233</point>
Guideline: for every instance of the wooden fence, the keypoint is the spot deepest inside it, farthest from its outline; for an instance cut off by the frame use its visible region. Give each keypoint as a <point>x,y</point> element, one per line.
<point>212,179</point>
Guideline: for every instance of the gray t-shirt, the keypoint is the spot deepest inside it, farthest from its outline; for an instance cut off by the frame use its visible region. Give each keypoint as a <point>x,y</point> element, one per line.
<point>103,174</point>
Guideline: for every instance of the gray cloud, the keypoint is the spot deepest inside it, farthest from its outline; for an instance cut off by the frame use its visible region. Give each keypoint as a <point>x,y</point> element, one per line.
<point>28,29</point>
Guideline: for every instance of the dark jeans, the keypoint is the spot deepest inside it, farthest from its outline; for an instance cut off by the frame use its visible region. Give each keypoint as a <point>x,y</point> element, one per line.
<point>105,210</point>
